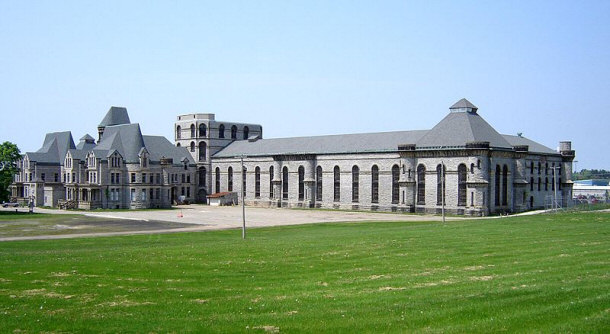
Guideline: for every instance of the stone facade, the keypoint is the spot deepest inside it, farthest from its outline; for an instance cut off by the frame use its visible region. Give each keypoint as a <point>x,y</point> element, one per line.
<point>492,174</point>
<point>124,169</point>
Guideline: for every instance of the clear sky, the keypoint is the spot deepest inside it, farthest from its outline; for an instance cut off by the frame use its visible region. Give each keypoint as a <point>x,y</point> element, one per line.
<point>304,68</point>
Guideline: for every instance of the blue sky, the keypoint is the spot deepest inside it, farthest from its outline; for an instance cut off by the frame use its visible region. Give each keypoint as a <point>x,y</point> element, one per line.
<point>309,67</point>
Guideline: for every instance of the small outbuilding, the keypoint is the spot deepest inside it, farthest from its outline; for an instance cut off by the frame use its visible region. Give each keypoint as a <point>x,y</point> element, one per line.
<point>223,198</point>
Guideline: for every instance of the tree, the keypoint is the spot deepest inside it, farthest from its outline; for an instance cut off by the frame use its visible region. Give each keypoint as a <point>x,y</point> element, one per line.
<point>9,154</point>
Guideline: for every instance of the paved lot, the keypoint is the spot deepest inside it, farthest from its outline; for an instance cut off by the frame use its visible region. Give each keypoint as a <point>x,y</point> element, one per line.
<point>203,217</point>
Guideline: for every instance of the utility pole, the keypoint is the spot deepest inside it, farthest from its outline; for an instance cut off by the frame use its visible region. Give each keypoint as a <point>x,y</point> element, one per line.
<point>243,206</point>
<point>443,189</point>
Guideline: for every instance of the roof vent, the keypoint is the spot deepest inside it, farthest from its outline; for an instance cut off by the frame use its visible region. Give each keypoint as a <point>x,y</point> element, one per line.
<point>464,105</point>
<point>254,138</point>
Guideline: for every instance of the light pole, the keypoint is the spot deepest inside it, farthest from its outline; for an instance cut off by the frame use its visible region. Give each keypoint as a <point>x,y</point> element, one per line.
<point>443,189</point>
<point>243,206</point>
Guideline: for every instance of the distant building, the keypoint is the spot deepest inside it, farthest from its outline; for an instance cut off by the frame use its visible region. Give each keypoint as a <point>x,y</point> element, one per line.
<point>124,169</point>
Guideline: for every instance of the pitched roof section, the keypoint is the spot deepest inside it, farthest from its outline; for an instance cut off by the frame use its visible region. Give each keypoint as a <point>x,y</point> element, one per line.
<point>54,148</point>
<point>459,128</point>
<point>126,138</point>
<point>115,116</point>
<point>159,147</point>
<point>86,143</point>
<point>533,146</point>
<point>350,143</point>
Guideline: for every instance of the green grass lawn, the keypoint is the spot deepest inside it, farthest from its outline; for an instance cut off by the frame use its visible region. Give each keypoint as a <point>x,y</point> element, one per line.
<point>545,273</point>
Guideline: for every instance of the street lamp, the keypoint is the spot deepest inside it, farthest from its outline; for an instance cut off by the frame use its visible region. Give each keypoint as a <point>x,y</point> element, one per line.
<point>243,206</point>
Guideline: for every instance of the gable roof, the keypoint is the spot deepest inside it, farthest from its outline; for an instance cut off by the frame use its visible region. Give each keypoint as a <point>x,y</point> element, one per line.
<point>461,126</point>
<point>349,143</point>
<point>115,116</point>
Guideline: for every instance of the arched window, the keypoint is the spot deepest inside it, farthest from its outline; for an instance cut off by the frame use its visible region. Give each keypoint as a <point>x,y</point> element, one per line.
<point>531,183</point>
<point>271,182</point>
<point>221,131</point>
<point>178,145</point>
<point>257,182</point>
<point>355,184</point>
<point>546,184</point>
<point>546,168</point>
<point>202,151</point>
<point>539,168</point>
<point>234,132</point>
<point>192,146</point>
<point>243,180</point>
<point>192,130</point>
<point>319,183</point>
<point>178,132</point>
<point>471,168</point>
<point>301,183</point>
<point>395,189</point>
<point>421,185</point>
<point>336,184</point>
<point>217,179</point>
<point>202,176</point>
<point>497,185</point>
<point>285,183</point>
<point>441,186</point>
<point>230,179</point>
<point>462,174</point>
<point>246,132</point>
<point>202,130</point>
<point>532,169</point>
<point>375,184</point>
<point>539,183</point>
<point>505,185</point>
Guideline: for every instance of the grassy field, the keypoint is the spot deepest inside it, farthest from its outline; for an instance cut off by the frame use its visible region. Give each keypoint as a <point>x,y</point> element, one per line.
<point>545,273</point>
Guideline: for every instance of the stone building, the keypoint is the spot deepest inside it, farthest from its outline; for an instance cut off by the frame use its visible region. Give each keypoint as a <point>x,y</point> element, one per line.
<point>124,169</point>
<point>462,163</point>
<point>203,136</point>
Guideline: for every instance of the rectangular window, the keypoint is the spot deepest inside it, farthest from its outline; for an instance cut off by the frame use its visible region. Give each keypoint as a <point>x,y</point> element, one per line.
<point>143,177</point>
<point>111,178</point>
<point>188,192</point>
<point>143,194</point>
<point>158,178</point>
<point>152,193</point>
<point>56,177</point>
<point>42,176</point>
<point>133,195</point>
<point>158,193</point>
<point>133,177</point>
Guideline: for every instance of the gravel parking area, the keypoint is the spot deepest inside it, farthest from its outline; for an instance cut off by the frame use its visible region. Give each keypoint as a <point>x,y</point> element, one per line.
<point>193,218</point>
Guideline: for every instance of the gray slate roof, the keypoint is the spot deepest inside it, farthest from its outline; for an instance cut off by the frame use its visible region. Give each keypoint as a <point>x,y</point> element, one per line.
<point>54,148</point>
<point>533,146</point>
<point>350,143</point>
<point>459,128</point>
<point>127,139</point>
<point>86,143</point>
<point>159,147</point>
<point>463,103</point>
<point>115,116</point>
<point>454,131</point>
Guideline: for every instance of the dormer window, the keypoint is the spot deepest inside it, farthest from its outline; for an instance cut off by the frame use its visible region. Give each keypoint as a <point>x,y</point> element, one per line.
<point>143,157</point>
